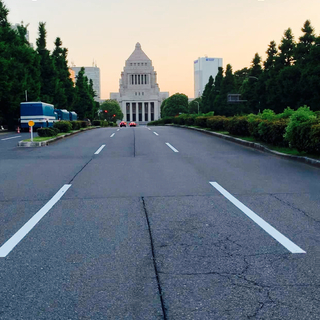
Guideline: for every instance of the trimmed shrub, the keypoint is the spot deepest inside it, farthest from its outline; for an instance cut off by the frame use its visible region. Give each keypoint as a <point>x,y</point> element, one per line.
<point>216,123</point>
<point>201,121</point>
<point>76,125</point>
<point>273,131</point>
<point>253,126</point>
<point>314,146</point>
<point>47,132</point>
<point>96,123</point>
<point>84,124</point>
<point>239,126</point>
<point>63,126</point>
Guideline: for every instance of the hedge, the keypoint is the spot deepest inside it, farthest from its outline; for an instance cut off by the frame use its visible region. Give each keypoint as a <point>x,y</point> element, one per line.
<point>63,126</point>
<point>47,132</point>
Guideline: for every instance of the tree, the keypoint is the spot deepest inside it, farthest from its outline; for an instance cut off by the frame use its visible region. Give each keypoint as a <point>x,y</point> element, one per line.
<point>65,93</point>
<point>111,111</point>
<point>287,49</point>
<point>194,106</point>
<point>49,78</point>
<point>215,92</point>
<point>205,102</point>
<point>271,55</point>
<point>175,104</point>
<point>84,103</point>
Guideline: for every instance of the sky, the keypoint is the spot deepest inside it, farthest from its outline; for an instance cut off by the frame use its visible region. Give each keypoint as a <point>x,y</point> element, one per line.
<point>172,33</point>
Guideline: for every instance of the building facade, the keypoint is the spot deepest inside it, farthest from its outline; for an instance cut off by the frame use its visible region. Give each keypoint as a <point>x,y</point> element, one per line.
<point>203,69</point>
<point>139,95</point>
<point>94,74</point>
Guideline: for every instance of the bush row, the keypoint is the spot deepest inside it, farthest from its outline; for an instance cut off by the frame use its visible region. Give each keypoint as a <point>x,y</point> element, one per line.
<point>298,129</point>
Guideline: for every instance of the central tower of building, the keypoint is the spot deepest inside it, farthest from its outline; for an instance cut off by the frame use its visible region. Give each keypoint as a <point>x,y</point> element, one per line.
<point>139,95</point>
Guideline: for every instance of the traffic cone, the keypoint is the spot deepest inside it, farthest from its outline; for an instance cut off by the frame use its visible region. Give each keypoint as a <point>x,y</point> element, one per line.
<point>18,130</point>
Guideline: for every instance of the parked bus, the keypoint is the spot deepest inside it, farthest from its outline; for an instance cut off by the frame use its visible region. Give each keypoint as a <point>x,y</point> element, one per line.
<point>42,114</point>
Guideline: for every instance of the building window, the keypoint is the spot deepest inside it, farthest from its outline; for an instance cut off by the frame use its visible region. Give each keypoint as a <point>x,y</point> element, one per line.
<point>134,64</point>
<point>138,64</point>
<point>143,93</point>
<point>139,93</point>
<point>135,93</point>
<point>130,64</point>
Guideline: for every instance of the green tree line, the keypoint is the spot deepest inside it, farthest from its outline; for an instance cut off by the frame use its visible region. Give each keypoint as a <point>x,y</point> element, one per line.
<point>289,77</point>
<point>42,74</point>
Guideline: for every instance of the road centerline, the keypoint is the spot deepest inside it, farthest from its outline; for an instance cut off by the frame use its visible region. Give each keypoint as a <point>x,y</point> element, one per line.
<point>171,147</point>
<point>8,246</point>
<point>99,150</point>
<point>112,135</point>
<point>155,133</point>
<point>11,138</point>
<point>274,233</point>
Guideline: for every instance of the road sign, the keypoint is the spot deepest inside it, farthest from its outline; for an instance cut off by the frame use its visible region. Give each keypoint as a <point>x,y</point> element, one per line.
<point>31,123</point>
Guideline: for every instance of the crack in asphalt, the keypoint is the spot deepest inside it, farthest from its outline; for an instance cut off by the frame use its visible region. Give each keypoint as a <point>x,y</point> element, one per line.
<point>295,208</point>
<point>80,170</point>
<point>154,261</point>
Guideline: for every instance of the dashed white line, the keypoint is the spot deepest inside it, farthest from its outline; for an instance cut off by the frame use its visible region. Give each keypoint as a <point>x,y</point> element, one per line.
<point>118,129</point>
<point>112,135</point>
<point>293,248</point>
<point>155,133</point>
<point>171,147</point>
<point>99,150</point>
<point>11,138</point>
<point>149,129</point>
<point>7,247</point>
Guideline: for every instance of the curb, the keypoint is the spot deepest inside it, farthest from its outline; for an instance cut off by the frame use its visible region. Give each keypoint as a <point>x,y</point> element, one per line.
<point>30,144</point>
<point>254,145</point>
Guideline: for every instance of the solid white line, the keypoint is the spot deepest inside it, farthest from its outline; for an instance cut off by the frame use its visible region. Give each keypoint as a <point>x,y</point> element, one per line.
<point>23,231</point>
<point>112,135</point>
<point>171,147</point>
<point>118,129</point>
<point>11,138</point>
<point>155,133</point>
<point>99,150</point>
<point>293,248</point>
<point>149,129</point>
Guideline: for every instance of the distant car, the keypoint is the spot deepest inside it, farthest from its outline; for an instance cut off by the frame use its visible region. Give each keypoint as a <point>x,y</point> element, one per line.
<point>123,124</point>
<point>132,124</point>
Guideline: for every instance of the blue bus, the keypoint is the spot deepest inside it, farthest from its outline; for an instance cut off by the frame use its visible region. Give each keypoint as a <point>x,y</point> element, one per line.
<point>62,114</point>
<point>42,114</point>
<point>73,116</point>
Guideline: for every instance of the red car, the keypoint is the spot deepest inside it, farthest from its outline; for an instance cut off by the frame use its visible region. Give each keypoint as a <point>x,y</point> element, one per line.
<point>132,124</point>
<point>123,124</point>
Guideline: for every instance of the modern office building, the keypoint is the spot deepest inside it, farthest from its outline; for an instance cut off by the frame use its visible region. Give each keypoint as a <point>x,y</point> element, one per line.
<point>139,95</point>
<point>94,74</point>
<point>203,69</point>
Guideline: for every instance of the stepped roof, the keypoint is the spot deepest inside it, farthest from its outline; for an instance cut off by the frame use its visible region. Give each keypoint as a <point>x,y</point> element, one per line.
<point>138,54</point>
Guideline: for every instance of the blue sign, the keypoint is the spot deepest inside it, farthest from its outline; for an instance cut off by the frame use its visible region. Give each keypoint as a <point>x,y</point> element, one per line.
<point>196,61</point>
<point>209,59</point>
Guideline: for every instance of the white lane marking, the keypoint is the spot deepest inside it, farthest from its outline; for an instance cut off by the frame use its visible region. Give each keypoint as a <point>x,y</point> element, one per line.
<point>112,135</point>
<point>99,150</point>
<point>149,129</point>
<point>118,129</point>
<point>6,248</point>
<point>155,133</point>
<point>293,248</point>
<point>171,147</point>
<point>11,138</point>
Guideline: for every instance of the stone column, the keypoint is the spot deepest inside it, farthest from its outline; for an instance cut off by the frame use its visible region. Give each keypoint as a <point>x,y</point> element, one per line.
<point>143,112</point>
<point>149,111</point>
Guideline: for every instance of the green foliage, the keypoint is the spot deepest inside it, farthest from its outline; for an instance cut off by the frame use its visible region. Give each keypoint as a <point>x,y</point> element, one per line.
<point>268,114</point>
<point>303,114</point>
<point>47,132</point>
<point>63,126</point>
<point>239,126</point>
<point>96,122</point>
<point>272,132</point>
<point>76,125</point>
<point>286,114</point>
<point>201,121</point>
<point>84,124</point>
<point>174,105</point>
<point>216,123</point>
<point>114,111</point>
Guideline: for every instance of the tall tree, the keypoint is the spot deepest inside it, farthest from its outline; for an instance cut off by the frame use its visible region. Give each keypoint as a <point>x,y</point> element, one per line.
<point>65,92</point>
<point>49,79</point>
<point>287,49</point>
<point>205,102</point>
<point>175,104</point>
<point>215,92</point>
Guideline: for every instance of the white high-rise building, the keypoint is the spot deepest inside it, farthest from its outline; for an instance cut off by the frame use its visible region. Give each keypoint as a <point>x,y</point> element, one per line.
<point>203,69</point>
<point>94,74</point>
<point>139,95</point>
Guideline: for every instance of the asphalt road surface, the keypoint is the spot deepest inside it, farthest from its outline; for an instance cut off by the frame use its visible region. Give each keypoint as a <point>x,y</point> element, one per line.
<point>156,223</point>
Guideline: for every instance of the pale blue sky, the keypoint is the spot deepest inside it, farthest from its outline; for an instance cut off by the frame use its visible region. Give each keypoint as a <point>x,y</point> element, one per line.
<point>173,33</point>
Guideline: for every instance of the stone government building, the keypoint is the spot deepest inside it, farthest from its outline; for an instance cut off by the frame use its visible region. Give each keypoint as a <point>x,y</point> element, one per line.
<point>139,95</point>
